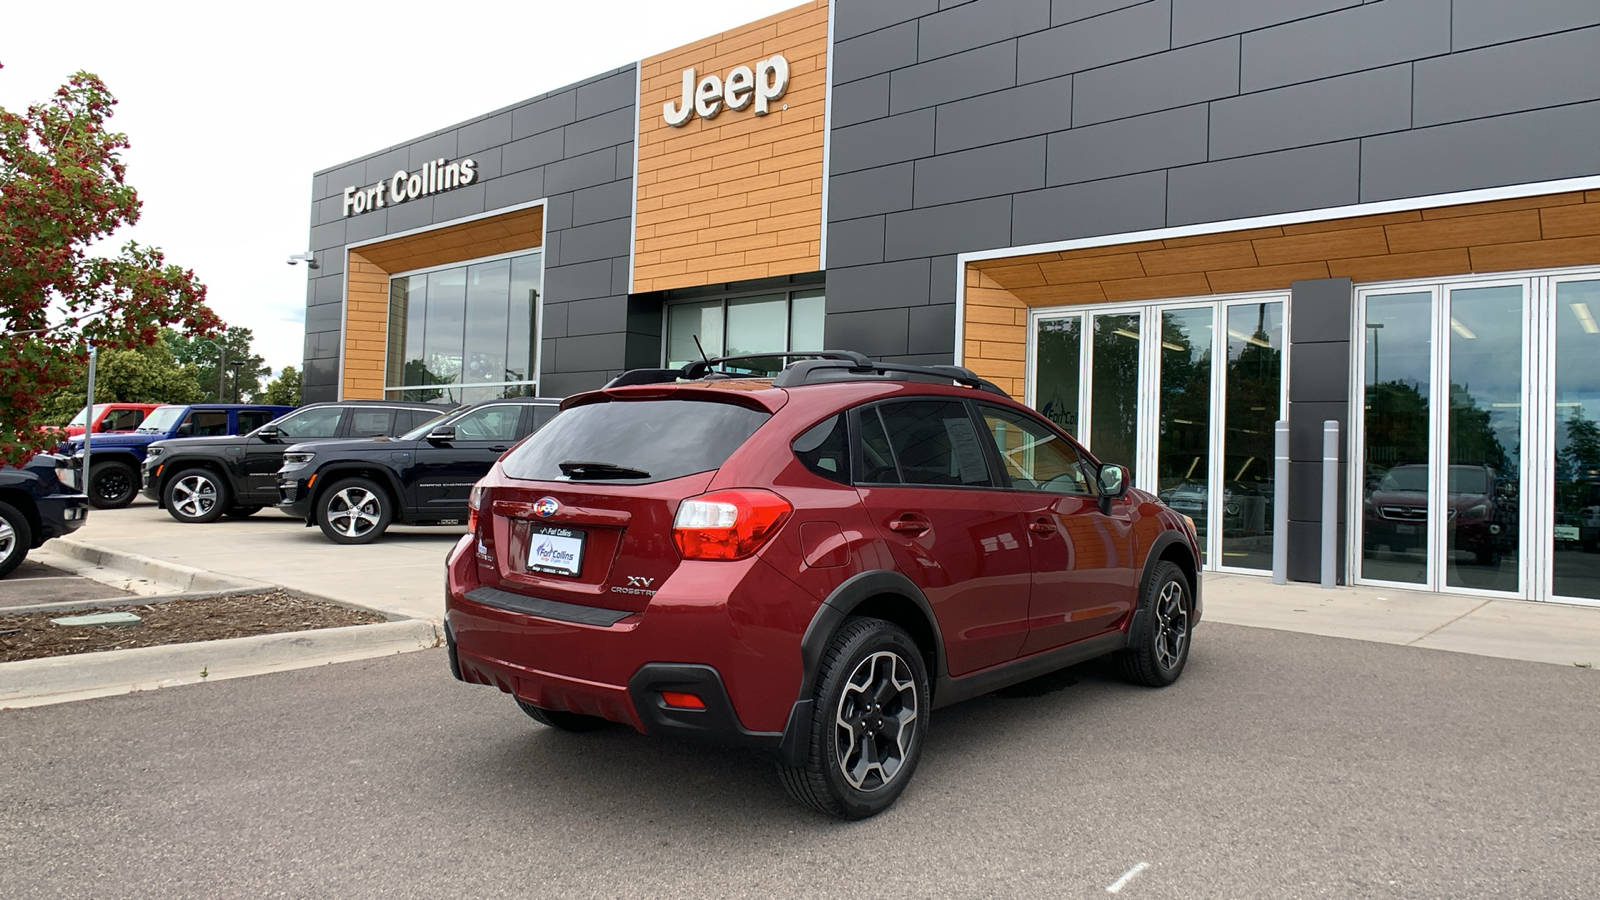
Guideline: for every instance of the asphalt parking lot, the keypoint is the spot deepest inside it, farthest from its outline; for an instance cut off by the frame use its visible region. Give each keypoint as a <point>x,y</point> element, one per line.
<point>34,582</point>
<point>1282,765</point>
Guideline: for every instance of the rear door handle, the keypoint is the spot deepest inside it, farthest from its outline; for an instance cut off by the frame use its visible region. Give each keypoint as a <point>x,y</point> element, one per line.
<point>910,524</point>
<point>1042,525</point>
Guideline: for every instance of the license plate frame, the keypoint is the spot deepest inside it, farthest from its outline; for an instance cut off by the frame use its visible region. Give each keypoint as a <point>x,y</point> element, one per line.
<point>559,553</point>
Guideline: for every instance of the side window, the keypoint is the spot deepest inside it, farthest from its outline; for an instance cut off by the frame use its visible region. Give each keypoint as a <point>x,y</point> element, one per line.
<point>934,442</point>
<point>489,423</point>
<point>824,449</point>
<point>1035,458</point>
<point>122,420</point>
<point>251,419</point>
<point>371,422</point>
<point>543,414</point>
<point>875,457</point>
<point>204,423</point>
<point>309,424</point>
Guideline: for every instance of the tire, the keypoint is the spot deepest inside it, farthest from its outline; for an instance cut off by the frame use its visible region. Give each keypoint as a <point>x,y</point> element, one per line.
<point>242,512</point>
<point>1158,646</point>
<point>112,484</point>
<point>16,538</point>
<point>354,511</point>
<point>869,721</point>
<point>577,723</point>
<point>195,496</point>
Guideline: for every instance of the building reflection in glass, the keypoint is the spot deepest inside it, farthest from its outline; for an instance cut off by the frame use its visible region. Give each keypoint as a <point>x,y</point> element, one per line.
<point>1254,399</point>
<point>1576,459</point>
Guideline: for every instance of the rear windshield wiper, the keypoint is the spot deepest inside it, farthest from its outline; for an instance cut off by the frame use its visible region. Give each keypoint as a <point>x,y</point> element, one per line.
<point>579,470</point>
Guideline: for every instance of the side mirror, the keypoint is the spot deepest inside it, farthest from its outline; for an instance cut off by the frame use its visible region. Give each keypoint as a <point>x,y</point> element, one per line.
<point>268,433</point>
<point>105,425</point>
<point>444,434</point>
<point>186,428</point>
<point>1113,484</point>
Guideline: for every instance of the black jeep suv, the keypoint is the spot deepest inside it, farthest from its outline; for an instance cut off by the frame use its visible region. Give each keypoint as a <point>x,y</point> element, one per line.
<point>38,501</point>
<point>355,490</point>
<point>199,479</point>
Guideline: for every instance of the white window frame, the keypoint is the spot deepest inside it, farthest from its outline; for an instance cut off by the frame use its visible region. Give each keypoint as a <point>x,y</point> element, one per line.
<point>536,364</point>
<point>1536,497</point>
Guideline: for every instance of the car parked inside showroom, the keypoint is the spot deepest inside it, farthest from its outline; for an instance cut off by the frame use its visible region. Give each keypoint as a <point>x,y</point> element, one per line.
<point>200,479</point>
<point>808,563</point>
<point>354,490</point>
<point>115,459</point>
<point>39,500</point>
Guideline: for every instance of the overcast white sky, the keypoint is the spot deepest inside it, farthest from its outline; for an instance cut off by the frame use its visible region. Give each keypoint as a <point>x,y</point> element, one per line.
<point>232,107</point>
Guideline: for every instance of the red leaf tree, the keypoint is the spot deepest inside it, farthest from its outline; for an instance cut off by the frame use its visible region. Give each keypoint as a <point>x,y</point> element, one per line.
<point>62,191</point>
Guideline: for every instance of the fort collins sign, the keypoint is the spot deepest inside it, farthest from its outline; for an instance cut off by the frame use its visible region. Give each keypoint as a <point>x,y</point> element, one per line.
<point>708,95</point>
<point>435,176</point>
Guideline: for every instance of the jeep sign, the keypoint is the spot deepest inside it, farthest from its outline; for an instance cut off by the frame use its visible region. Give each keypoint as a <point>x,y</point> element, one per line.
<point>707,96</point>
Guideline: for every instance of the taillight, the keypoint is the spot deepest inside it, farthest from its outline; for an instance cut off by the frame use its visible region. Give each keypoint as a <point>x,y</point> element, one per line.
<point>727,524</point>
<point>474,500</point>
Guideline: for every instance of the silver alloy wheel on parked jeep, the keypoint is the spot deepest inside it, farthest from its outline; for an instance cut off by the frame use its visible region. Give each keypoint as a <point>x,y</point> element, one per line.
<point>354,511</point>
<point>16,538</point>
<point>195,495</point>
<point>876,721</point>
<point>8,540</point>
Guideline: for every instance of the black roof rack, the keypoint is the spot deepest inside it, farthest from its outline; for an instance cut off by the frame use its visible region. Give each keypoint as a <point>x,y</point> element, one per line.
<point>811,367</point>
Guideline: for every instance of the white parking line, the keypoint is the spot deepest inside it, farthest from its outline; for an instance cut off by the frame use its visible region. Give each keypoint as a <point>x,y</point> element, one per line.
<point>1117,886</point>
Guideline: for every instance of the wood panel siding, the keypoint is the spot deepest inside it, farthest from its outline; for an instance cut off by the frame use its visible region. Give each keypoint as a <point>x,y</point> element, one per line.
<point>736,196</point>
<point>366,314</point>
<point>1549,231</point>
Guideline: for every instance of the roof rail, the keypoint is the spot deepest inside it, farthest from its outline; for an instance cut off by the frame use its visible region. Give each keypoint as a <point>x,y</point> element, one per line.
<point>811,367</point>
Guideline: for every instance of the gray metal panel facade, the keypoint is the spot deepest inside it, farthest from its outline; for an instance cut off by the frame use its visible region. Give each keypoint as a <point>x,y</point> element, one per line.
<point>963,126</point>
<point>573,146</point>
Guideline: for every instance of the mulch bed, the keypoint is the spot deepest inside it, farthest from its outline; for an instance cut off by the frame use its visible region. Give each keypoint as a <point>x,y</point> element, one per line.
<point>182,621</point>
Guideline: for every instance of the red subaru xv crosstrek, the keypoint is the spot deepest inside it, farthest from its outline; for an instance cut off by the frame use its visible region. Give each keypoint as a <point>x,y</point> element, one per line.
<point>808,564</point>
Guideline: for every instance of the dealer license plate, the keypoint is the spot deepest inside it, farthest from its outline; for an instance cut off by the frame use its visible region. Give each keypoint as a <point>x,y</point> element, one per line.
<point>558,551</point>
<point>1405,529</point>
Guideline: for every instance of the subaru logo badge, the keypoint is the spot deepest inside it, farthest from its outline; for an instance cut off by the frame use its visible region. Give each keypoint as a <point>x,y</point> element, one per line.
<point>546,507</point>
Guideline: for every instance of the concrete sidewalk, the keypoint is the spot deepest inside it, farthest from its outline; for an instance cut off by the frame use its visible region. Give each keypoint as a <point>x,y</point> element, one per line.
<point>403,574</point>
<point>1509,629</point>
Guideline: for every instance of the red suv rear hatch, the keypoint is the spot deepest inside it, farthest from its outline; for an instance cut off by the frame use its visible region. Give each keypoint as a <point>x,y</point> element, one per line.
<point>585,513</point>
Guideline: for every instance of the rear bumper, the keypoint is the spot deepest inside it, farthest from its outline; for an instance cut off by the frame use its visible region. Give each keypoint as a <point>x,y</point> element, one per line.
<point>616,664</point>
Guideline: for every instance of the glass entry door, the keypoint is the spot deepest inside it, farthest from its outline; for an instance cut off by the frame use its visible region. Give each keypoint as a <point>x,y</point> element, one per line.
<point>1479,446</point>
<point>1184,395</point>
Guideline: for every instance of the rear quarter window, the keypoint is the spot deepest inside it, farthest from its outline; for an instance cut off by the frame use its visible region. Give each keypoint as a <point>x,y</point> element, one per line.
<point>664,438</point>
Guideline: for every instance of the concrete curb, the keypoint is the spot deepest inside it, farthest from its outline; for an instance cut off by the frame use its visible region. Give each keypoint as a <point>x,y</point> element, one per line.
<point>59,679</point>
<point>131,568</point>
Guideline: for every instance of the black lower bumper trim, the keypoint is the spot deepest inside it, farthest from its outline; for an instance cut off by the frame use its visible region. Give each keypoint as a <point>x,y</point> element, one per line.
<point>547,609</point>
<point>716,724</point>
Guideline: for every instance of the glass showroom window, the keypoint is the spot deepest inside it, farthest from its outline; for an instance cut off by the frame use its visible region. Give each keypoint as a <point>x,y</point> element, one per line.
<point>766,323</point>
<point>465,333</point>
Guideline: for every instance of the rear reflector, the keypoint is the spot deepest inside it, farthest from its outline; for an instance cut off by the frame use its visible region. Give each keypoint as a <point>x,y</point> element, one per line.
<point>727,524</point>
<point>682,700</point>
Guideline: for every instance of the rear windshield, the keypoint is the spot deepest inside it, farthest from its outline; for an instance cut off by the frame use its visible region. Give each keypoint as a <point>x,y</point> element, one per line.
<point>661,439</point>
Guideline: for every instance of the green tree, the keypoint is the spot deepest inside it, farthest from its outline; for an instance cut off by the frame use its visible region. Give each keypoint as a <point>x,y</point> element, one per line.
<point>62,192</point>
<point>243,377</point>
<point>285,389</point>
<point>141,375</point>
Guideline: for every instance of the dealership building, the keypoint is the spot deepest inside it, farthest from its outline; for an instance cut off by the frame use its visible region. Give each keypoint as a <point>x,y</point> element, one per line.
<point>1165,224</point>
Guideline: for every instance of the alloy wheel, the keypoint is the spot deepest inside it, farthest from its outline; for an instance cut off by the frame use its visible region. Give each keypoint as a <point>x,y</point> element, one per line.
<point>1172,625</point>
<point>194,495</point>
<point>354,512</point>
<point>876,722</point>
<point>8,539</point>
